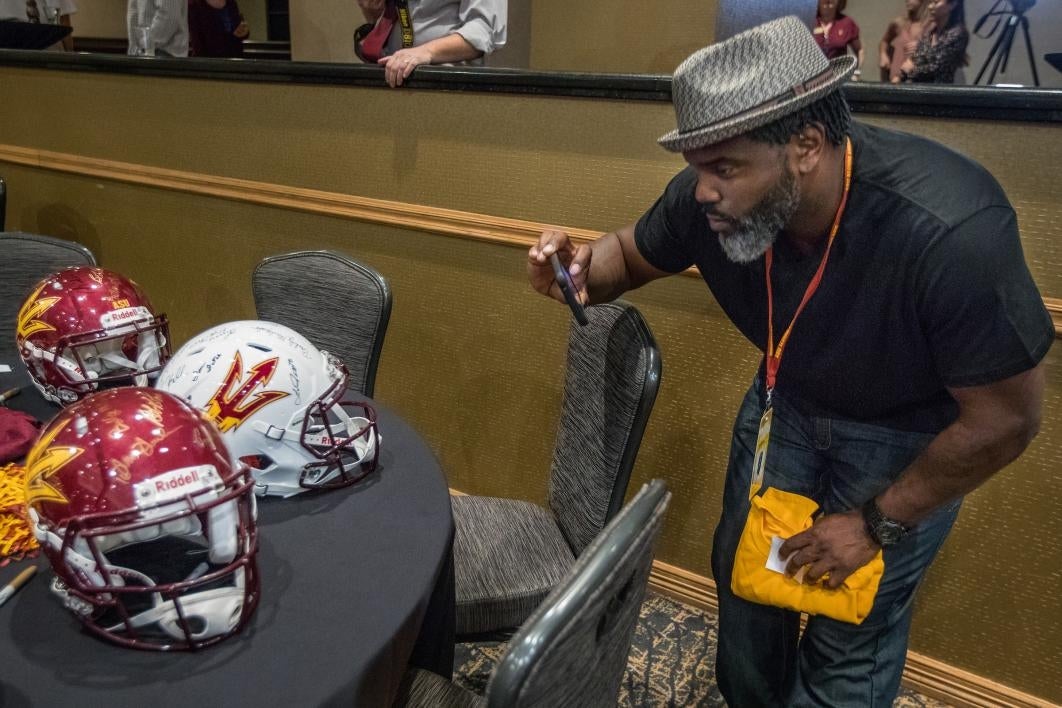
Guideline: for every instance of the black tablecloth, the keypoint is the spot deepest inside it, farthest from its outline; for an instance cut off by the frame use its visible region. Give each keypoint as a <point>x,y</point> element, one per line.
<point>30,35</point>
<point>356,582</point>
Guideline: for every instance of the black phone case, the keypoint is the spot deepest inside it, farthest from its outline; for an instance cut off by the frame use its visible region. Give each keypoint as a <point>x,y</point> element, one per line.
<point>560,274</point>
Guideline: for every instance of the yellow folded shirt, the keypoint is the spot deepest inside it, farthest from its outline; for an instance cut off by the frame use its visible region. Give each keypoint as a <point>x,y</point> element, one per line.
<point>784,514</point>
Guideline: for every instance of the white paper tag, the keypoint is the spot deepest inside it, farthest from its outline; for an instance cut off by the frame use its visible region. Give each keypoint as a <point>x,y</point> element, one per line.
<point>775,562</point>
<point>778,564</point>
<point>5,369</point>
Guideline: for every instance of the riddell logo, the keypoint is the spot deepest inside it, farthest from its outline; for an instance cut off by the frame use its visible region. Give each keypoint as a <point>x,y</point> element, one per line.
<point>124,315</point>
<point>234,402</point>
<point>175,484</point>
<point>184,480</point>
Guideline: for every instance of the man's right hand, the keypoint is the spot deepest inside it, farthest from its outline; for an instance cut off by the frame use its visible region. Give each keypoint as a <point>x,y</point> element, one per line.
<point>576,259</point>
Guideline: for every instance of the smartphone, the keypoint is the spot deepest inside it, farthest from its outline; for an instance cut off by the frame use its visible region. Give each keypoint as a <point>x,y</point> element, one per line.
<point>560,274</point>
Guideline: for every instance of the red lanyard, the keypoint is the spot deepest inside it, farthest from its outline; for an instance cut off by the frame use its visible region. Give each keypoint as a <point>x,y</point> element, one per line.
<point>774,354</point>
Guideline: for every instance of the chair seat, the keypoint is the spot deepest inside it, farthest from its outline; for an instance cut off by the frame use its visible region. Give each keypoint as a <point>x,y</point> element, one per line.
<point>424,689</point>
<point>508,555</point>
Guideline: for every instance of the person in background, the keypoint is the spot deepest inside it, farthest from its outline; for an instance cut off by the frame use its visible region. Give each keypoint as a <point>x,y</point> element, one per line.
<point>900,40</point>
<point>158,27</point>
<point>444,32</point>
<point>836,33</point>
<point>941,51</point>
<point>216,28</point>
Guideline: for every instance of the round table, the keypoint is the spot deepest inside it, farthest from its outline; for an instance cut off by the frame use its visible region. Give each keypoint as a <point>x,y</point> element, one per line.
<point>355,583</point>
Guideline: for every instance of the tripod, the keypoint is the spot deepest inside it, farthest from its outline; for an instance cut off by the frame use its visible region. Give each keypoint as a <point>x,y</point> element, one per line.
<point>1000,54</point>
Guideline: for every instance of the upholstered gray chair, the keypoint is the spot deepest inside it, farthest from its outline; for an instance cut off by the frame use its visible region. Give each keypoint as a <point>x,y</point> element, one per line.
<point>337,303</point>
<point>509,554</point>
<point>573,650</point>
<point>25,259</point>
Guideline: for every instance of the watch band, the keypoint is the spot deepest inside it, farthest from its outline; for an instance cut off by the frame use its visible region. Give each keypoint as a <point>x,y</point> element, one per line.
<point>881,529</point>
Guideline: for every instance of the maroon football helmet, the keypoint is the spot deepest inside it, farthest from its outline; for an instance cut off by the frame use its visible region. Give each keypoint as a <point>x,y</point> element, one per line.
<point>146,520</point>
<point>86,328</point>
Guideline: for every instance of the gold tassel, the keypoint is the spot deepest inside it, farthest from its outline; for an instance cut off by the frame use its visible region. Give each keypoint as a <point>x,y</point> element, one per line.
<point>16,539</point>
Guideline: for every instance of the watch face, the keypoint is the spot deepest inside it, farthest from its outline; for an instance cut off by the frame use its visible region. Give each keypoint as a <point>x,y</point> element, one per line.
<point>889,532</point>
<point>882,529</point>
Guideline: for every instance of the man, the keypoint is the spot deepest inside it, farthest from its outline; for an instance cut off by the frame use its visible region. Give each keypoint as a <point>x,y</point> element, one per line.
<point>158,27</point>
<point>912,373</point>
<point>444,32</point>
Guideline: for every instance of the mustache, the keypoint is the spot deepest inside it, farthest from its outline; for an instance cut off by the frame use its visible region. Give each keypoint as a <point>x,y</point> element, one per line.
<point>709,210</point>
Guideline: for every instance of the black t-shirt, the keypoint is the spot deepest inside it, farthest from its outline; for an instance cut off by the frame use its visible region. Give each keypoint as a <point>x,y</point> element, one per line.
<point>926,286</point>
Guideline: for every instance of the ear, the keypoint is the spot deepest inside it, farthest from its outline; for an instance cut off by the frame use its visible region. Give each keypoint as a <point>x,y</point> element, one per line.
<point>807,149</point>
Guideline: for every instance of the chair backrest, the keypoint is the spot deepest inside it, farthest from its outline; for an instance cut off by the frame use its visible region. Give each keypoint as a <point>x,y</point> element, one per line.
<point>26,259</point>
<point>3,204</point>
<point>573,649</point>
<point>337,303</point>
<point>611,380</point>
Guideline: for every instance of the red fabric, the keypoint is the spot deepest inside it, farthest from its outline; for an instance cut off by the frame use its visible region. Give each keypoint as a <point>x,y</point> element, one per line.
<point>18,430</point>
<point>843,31</point>
<point>371,46</point>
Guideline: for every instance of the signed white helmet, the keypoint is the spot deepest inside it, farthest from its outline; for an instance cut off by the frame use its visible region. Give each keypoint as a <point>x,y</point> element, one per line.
<point>278,402</point>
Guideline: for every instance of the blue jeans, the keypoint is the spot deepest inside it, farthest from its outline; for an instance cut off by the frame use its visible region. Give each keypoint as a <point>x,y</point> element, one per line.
<point>762,660</point>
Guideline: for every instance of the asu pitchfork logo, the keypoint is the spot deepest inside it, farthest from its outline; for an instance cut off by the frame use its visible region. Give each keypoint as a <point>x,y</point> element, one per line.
<point>43,462</point>
<point>28,324</point>
<point>234,401</point>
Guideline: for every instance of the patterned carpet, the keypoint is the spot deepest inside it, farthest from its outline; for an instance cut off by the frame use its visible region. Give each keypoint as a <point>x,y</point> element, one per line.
<point>671,661</point>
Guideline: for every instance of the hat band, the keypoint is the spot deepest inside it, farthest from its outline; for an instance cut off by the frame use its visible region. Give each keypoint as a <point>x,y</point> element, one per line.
<point>795,91</point>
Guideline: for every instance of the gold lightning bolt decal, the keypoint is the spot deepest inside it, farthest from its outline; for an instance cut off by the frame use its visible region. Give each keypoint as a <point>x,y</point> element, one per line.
<point>43,462</point>
<point>32,309</point>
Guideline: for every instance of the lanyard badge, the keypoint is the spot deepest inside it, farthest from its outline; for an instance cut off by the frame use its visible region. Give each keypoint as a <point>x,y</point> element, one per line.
<point>774,354</point>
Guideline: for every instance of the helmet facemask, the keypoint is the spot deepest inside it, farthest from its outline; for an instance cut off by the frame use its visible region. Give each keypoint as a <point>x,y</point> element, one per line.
<point>128,355</point>
<point>179,574</point>
<point>339,435</point>
<point>345,442</point>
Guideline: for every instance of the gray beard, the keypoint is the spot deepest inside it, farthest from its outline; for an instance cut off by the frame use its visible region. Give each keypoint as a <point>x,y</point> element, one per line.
<point>756,232</point>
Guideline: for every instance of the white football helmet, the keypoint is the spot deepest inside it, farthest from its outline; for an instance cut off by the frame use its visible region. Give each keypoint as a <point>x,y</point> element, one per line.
<point>278,402</point>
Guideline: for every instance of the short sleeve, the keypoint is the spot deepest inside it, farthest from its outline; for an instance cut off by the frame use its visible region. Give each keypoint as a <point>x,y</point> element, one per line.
<point>663,233</point>
<point>978,306</point>
<point>855,31</point>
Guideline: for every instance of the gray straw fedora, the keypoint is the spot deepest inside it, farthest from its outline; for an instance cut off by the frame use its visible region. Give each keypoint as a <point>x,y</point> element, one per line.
<point>748,81</point>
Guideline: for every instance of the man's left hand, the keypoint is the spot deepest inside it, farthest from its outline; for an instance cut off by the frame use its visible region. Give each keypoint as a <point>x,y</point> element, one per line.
<point>836,545</point>
<point>398,66</point>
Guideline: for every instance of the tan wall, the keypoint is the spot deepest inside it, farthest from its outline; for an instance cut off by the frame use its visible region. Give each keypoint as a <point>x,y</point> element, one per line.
<point>323,30</point>
<point>477,369</point>
<point>254,14</point>
<point>100,18</point>
<point>620,36</point>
